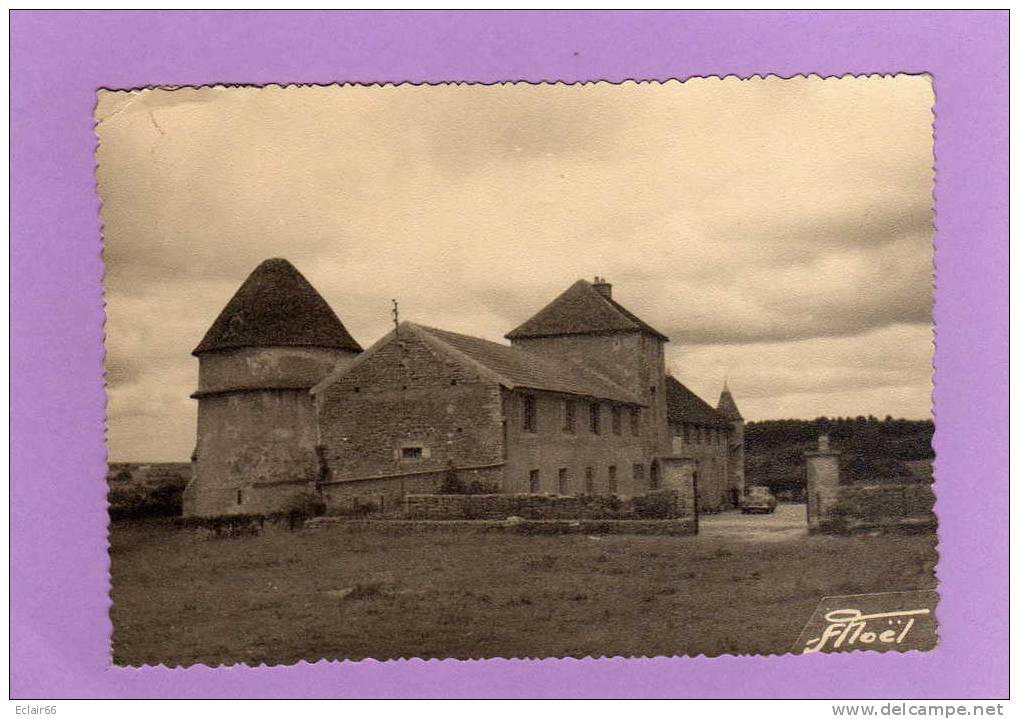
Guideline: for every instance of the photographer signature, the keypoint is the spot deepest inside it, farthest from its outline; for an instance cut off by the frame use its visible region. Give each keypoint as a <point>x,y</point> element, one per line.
<point>848,627</point>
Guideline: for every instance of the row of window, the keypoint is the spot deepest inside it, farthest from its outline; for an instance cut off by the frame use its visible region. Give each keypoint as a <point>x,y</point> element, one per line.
<point>564,483</point>
<point>569,413</point>
<point>696,434</point>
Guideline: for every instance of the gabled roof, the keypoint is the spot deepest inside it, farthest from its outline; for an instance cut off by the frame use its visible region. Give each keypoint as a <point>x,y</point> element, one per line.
<point>727,405</point>
<point>276,307</point>
<point>582,309</point>
<point>511,367</point>
<point>684,407</point>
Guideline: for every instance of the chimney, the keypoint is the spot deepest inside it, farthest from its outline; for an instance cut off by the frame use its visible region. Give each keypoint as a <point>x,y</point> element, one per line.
<point>603,287</point>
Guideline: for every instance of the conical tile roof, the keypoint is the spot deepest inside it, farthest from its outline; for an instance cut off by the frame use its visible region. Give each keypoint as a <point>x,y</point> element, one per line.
<point>582,309</point>
<point>727,405</point>
<point>276,307</point>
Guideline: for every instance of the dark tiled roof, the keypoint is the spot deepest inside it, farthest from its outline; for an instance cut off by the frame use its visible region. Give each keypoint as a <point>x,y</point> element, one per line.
<point>582,310</point>
<point>518,368</point>
<point>277,307</point>
<point>727,406</point>
<point>686,407</point>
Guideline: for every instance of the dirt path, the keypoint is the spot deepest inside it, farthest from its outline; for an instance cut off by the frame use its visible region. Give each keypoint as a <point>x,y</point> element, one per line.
<point>789,522</point>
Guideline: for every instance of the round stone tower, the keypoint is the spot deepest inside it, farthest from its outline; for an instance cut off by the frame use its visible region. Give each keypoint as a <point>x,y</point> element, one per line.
<point>256,444</point>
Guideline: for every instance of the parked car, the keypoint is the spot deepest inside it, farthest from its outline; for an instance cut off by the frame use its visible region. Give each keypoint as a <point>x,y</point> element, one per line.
<point>759,499</point>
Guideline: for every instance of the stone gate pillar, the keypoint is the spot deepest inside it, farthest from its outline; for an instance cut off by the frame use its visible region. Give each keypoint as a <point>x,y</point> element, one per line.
<point>679,474</point>
<point>822,482</point>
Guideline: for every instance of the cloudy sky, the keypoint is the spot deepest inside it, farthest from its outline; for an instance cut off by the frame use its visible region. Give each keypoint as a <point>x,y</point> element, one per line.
<point>779,231</point>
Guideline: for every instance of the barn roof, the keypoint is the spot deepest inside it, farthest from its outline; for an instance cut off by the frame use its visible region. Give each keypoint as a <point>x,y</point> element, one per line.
<point>582,309</point>
<point>684,407</point>
<point>276,307</point>
<point>511,367</point>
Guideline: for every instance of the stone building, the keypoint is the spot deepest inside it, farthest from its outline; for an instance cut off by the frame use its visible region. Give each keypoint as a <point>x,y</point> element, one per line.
<point>579,402</point>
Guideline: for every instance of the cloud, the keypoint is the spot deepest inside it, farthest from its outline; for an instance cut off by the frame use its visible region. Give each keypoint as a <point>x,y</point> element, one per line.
<point>730,214</point>
<point>883,371</point>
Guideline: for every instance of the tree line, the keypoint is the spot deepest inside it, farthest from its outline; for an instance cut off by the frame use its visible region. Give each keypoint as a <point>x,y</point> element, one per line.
<point>873,450</point>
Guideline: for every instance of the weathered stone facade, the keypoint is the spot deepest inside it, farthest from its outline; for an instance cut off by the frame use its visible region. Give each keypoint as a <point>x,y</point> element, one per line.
<point>612,460</point>
<point>407,412</point>
<point>257,430</point>
<point>634,360</point>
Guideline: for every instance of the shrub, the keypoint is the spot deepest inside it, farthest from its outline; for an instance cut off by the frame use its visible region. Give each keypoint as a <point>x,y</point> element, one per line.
<point>452,484</point>
<point>659,505</point>
<point>138,502</point>
<point>226,526</point>
<point>875,468</point>
<point>300,508</point>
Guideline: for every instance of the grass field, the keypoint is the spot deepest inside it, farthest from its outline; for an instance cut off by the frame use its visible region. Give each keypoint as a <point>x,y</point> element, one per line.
<point>180,599</point>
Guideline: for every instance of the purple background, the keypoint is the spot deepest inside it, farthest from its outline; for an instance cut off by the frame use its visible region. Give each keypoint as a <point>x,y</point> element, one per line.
<point>59,602</point>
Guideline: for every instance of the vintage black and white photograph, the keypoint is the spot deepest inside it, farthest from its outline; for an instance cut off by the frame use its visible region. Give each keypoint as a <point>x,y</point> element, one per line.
<point>519,370</point>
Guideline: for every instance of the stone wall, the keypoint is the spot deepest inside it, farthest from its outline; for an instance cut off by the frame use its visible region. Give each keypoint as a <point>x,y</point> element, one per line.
<point>537,506</point>
<point>386,495</point>
<point>880,506</point>
<point>835,506</point>
<point>680,527</point>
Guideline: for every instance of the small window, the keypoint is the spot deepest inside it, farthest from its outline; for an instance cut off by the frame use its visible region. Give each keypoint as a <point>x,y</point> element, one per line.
<point>530,415</point>
<point>638,476</point>
<point>617,419</point>
<point>416,452</point>
<point>635,421</point>
<point>654,390</point>
<point>589,480</point>
<point>569,415</point>
<point>613,483</point>
<point>686,434</point>
<point>534,482</point>
<point>240,496</point>
<point>564,481</point>
<point>697,434</point>
<point>595,418</point>
<point>655,479</point>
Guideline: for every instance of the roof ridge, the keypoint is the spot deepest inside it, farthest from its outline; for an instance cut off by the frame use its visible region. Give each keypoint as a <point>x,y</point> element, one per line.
<point>549,363</point>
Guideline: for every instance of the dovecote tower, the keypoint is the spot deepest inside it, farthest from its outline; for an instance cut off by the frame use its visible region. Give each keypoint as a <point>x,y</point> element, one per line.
<point>256,448</point>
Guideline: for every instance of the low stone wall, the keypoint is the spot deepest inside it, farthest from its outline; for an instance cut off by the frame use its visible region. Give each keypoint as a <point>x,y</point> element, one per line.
<point>541,506</point>
<point>881,506</point>
<point>386,495</point>
<point>680,527</point>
